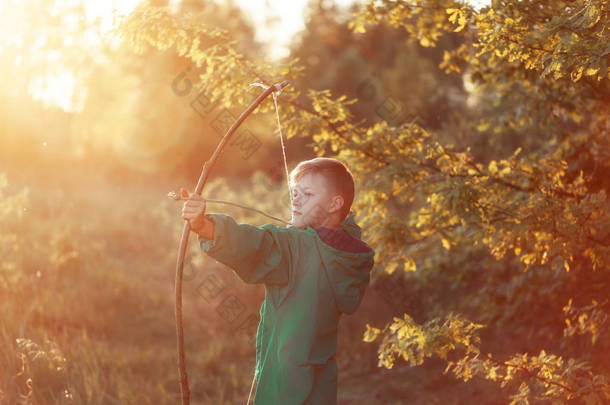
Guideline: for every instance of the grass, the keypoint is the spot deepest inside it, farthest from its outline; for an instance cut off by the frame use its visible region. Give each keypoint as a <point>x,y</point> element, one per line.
<point>87,305</point>
<point>90,292</point>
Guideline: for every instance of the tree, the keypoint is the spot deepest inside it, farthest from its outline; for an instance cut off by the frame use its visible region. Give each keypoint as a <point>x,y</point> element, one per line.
<point>543,66</point>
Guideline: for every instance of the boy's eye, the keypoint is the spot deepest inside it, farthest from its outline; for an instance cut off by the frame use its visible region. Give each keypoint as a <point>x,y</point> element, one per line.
<point>295,193</point>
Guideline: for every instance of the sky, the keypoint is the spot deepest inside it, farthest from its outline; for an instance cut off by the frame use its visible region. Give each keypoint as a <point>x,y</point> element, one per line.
<point>290,20</point>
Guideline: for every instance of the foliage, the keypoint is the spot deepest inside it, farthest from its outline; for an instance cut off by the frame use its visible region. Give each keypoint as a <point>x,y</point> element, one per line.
<point>542,377</point>
<point>591,319</point>
<point>546,208</point>
<point>545,377</point>
<point>414,342</point>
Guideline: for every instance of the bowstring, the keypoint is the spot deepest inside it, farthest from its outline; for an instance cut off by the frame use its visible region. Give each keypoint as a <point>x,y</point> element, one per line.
<point>277,114</point>
<point>275,94</point>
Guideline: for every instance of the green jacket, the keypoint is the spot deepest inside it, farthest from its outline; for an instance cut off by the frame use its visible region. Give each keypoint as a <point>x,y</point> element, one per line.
<point>311,277</point>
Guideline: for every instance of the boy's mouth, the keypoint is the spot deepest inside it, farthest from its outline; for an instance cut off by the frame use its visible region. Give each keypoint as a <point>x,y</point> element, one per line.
<point>295,213</point>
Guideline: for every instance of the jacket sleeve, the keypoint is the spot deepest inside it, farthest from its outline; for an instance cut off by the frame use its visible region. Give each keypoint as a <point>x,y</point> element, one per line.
<point>257,255</point>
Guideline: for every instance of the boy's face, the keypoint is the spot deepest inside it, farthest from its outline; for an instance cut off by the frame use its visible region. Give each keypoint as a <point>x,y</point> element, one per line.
<point>312,204</point>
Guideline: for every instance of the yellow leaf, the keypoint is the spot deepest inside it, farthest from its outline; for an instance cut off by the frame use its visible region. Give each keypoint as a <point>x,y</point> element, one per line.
<point>591,71</point>
<point>528,258</point>
<point>517,251</point>
<point>483,126</point>
<point>425,42</point>
<point>594,16</point>
<point>462,22</point>
<point>356,26</point>
<point>445,243</point>
<point>578,74</point>
<point>453,14</point>
<point>391,267</point>
<point>371,333</point>
<point>493,167</point>
<point>410,264</point>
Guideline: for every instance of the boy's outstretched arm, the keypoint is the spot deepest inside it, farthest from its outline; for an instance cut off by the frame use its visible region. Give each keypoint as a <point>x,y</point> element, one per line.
<point>256,254</point>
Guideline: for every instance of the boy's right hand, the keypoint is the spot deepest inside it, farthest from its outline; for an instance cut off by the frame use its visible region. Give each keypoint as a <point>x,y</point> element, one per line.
<point>193,210</point>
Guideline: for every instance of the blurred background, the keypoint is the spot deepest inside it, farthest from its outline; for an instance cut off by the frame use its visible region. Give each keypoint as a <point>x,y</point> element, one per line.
<point>94,135</point>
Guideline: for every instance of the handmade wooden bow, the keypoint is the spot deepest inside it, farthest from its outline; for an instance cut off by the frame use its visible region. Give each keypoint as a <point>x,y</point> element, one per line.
<point>207,166</point>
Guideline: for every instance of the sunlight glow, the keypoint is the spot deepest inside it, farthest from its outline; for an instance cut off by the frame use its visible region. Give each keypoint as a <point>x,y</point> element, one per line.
<point>276,23</point>
<point>49,78</point>
<point>55,90</point>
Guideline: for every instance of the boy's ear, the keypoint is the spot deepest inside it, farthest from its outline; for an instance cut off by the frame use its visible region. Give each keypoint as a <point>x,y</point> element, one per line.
<point>338,202</point>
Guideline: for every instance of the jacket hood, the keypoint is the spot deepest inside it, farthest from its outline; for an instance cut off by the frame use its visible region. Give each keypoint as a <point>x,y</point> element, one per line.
<point>348,271</point>
<point>350,226</point>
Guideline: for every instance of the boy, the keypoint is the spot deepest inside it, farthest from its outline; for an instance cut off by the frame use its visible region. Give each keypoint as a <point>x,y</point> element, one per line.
<point>313,271</point>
